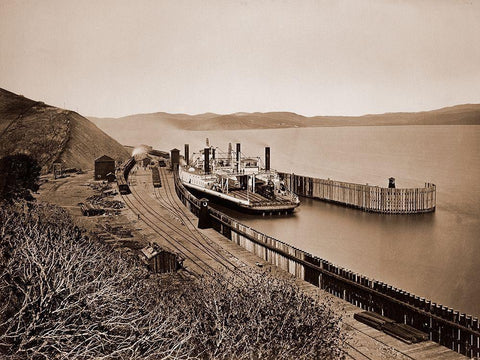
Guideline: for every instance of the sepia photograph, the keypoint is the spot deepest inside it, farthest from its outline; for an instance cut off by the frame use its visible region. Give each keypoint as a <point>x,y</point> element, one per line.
<point>240,179</point>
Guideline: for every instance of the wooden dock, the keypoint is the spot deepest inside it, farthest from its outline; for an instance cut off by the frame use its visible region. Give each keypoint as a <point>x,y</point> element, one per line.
<point>363,196</point>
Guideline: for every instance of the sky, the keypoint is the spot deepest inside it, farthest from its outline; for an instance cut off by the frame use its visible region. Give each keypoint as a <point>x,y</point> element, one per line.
<point>113,58</point>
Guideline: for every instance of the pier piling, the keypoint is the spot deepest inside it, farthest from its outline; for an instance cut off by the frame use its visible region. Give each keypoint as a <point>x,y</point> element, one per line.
<point>369,198</point>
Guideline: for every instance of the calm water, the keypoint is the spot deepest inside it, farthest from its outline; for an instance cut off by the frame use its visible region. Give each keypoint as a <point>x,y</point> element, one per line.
<point>431,255</point>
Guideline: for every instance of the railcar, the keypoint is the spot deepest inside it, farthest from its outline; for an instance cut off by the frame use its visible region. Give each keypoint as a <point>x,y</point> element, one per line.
<point>157,182</point>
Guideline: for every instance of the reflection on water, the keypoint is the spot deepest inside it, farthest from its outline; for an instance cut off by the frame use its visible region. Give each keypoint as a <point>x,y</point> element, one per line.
<point>431,255</point>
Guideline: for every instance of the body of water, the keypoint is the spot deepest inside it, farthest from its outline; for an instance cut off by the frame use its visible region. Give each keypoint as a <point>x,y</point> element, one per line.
<point>434,255</point>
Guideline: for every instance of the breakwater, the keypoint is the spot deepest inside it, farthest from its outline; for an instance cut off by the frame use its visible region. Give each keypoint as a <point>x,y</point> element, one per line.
<point>365,197</point>
<point>457,331</point>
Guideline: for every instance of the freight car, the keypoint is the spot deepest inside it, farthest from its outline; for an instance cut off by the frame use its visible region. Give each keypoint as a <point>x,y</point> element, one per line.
<point>128,166</point>
<point>157,182</point>
<point>122,176</point>
<point>123,187</point>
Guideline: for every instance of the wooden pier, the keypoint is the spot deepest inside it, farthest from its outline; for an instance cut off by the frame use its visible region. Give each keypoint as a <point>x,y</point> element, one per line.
<point>365,197</point>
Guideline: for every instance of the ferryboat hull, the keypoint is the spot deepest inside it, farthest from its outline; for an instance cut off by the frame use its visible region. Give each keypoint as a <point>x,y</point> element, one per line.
<point>270,208</point>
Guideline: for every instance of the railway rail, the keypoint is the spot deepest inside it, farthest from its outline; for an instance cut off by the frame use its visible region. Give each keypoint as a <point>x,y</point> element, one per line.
<point>171,202</point>
<point>181,212</point>
<point>196,265</point>
<point>191,244</point>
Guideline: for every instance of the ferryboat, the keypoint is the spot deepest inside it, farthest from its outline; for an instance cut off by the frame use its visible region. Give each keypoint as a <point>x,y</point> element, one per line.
<point>237,181</point>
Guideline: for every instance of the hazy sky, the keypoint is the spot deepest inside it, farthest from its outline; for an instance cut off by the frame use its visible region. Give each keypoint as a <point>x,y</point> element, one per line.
<point>114,58</point>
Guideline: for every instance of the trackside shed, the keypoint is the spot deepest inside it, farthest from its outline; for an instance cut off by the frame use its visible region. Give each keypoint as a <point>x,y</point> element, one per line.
<point>103,166</point>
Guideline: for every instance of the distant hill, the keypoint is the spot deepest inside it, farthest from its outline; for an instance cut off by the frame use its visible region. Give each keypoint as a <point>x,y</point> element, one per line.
<point>52,134</point>
<point>455,115</point>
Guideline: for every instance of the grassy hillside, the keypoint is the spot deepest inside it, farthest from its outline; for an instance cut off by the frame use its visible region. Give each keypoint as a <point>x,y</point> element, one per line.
<point>51,134</point>
<point>456,115</point>
<point>11,107</point>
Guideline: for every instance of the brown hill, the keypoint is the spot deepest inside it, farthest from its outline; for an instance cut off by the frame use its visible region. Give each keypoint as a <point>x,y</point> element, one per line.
<point>52,134</point>
<point>456,115</point>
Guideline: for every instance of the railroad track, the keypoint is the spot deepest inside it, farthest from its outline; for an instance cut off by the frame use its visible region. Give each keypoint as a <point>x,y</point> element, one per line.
<point>196,238</point>
<point>196,266</point>
<point>171,201</point>
<point>199,250</point>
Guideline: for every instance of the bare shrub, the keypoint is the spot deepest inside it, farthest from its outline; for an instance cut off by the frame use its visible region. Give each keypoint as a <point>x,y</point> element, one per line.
<point>19,175</point>
<point>267,318</point>
<point>63,295</point>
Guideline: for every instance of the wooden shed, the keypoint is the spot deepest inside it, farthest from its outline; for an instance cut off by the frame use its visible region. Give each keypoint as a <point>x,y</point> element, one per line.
<point>103,166</point>
<point>159,260</point>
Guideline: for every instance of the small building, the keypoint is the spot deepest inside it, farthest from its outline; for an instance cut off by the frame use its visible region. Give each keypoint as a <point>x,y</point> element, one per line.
<point>103,166</point>
<point>146,161</point>
<point>162,162</point>
<point>160,260</point>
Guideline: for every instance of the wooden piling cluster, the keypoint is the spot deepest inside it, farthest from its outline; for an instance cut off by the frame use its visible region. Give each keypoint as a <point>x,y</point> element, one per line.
<point>457,331</point>
<point>364,197</point>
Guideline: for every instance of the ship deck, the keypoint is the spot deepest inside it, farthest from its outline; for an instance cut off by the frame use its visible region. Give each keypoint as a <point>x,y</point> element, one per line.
<point>257,199</point>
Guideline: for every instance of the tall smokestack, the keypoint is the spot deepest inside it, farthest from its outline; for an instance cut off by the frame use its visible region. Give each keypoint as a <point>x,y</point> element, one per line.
<point>174,158</point>
<point>187,153</point>
<point>229,159</point>
<point>267,158</point>
<point>206,165</point>
<point>238,157</point>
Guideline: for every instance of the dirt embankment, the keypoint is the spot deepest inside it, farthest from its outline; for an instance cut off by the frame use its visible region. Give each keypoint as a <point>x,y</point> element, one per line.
<point>51,134</point>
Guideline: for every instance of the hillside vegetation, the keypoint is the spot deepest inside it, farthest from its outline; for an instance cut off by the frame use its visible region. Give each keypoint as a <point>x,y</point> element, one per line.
<point>456,115</point>
<point>51,134</point>
<point>67,296</point>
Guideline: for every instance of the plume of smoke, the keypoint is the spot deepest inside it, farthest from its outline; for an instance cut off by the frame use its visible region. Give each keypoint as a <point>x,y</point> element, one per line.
<point>141,151</point>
